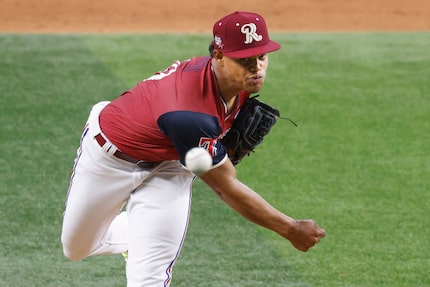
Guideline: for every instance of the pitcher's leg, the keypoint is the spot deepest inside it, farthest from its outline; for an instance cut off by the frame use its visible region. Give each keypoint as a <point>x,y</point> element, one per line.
<point>94,200</point>
<point>91,207</point>
<point>158,215</point>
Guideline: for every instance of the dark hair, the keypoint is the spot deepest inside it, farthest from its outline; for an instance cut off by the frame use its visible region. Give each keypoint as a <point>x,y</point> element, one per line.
<point>211,49</point>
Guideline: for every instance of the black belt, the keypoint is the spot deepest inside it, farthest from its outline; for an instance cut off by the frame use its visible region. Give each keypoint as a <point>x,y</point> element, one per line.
<point>140,163</point>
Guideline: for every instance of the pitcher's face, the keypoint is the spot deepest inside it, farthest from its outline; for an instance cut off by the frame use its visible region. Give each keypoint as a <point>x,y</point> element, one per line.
<point>246,73</point>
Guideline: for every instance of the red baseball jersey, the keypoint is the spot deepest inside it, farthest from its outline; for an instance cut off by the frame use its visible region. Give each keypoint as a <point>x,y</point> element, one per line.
<point>164,116</point>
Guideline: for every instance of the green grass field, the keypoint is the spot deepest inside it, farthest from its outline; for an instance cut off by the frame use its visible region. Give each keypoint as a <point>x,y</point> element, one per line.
<point>358,162</point>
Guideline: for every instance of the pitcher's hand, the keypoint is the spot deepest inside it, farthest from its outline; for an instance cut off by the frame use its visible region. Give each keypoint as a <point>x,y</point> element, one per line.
<point>304,234</point>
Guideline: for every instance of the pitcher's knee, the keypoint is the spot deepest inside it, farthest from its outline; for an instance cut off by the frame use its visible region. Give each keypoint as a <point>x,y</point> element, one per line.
<point>72,254</point>
<point>72,251</point>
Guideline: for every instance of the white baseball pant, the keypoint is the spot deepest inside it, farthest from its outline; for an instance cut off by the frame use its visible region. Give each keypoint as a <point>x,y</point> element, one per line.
<point>153,226</point>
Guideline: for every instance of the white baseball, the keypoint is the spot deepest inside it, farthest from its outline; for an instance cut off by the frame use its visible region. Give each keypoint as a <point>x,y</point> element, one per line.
<point>198,160</point>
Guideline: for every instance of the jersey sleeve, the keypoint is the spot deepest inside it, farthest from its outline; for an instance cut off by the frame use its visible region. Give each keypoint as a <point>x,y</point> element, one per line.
<point>187,129</point>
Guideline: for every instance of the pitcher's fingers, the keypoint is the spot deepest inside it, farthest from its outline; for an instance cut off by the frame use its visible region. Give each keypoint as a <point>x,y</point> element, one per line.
<point>321,232</point>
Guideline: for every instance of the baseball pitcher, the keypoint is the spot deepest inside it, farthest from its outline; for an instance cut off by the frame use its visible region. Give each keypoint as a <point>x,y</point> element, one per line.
<point>130,190</point>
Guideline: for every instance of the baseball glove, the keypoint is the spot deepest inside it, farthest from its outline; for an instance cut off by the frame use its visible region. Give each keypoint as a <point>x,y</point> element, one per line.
<point>252,124</point>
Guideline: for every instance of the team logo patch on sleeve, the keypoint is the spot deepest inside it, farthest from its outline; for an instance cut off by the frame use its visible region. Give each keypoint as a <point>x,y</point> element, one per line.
<point>209,144</point>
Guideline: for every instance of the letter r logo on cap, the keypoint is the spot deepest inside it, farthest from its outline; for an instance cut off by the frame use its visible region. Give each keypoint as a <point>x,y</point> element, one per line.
<point>250,31</point>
